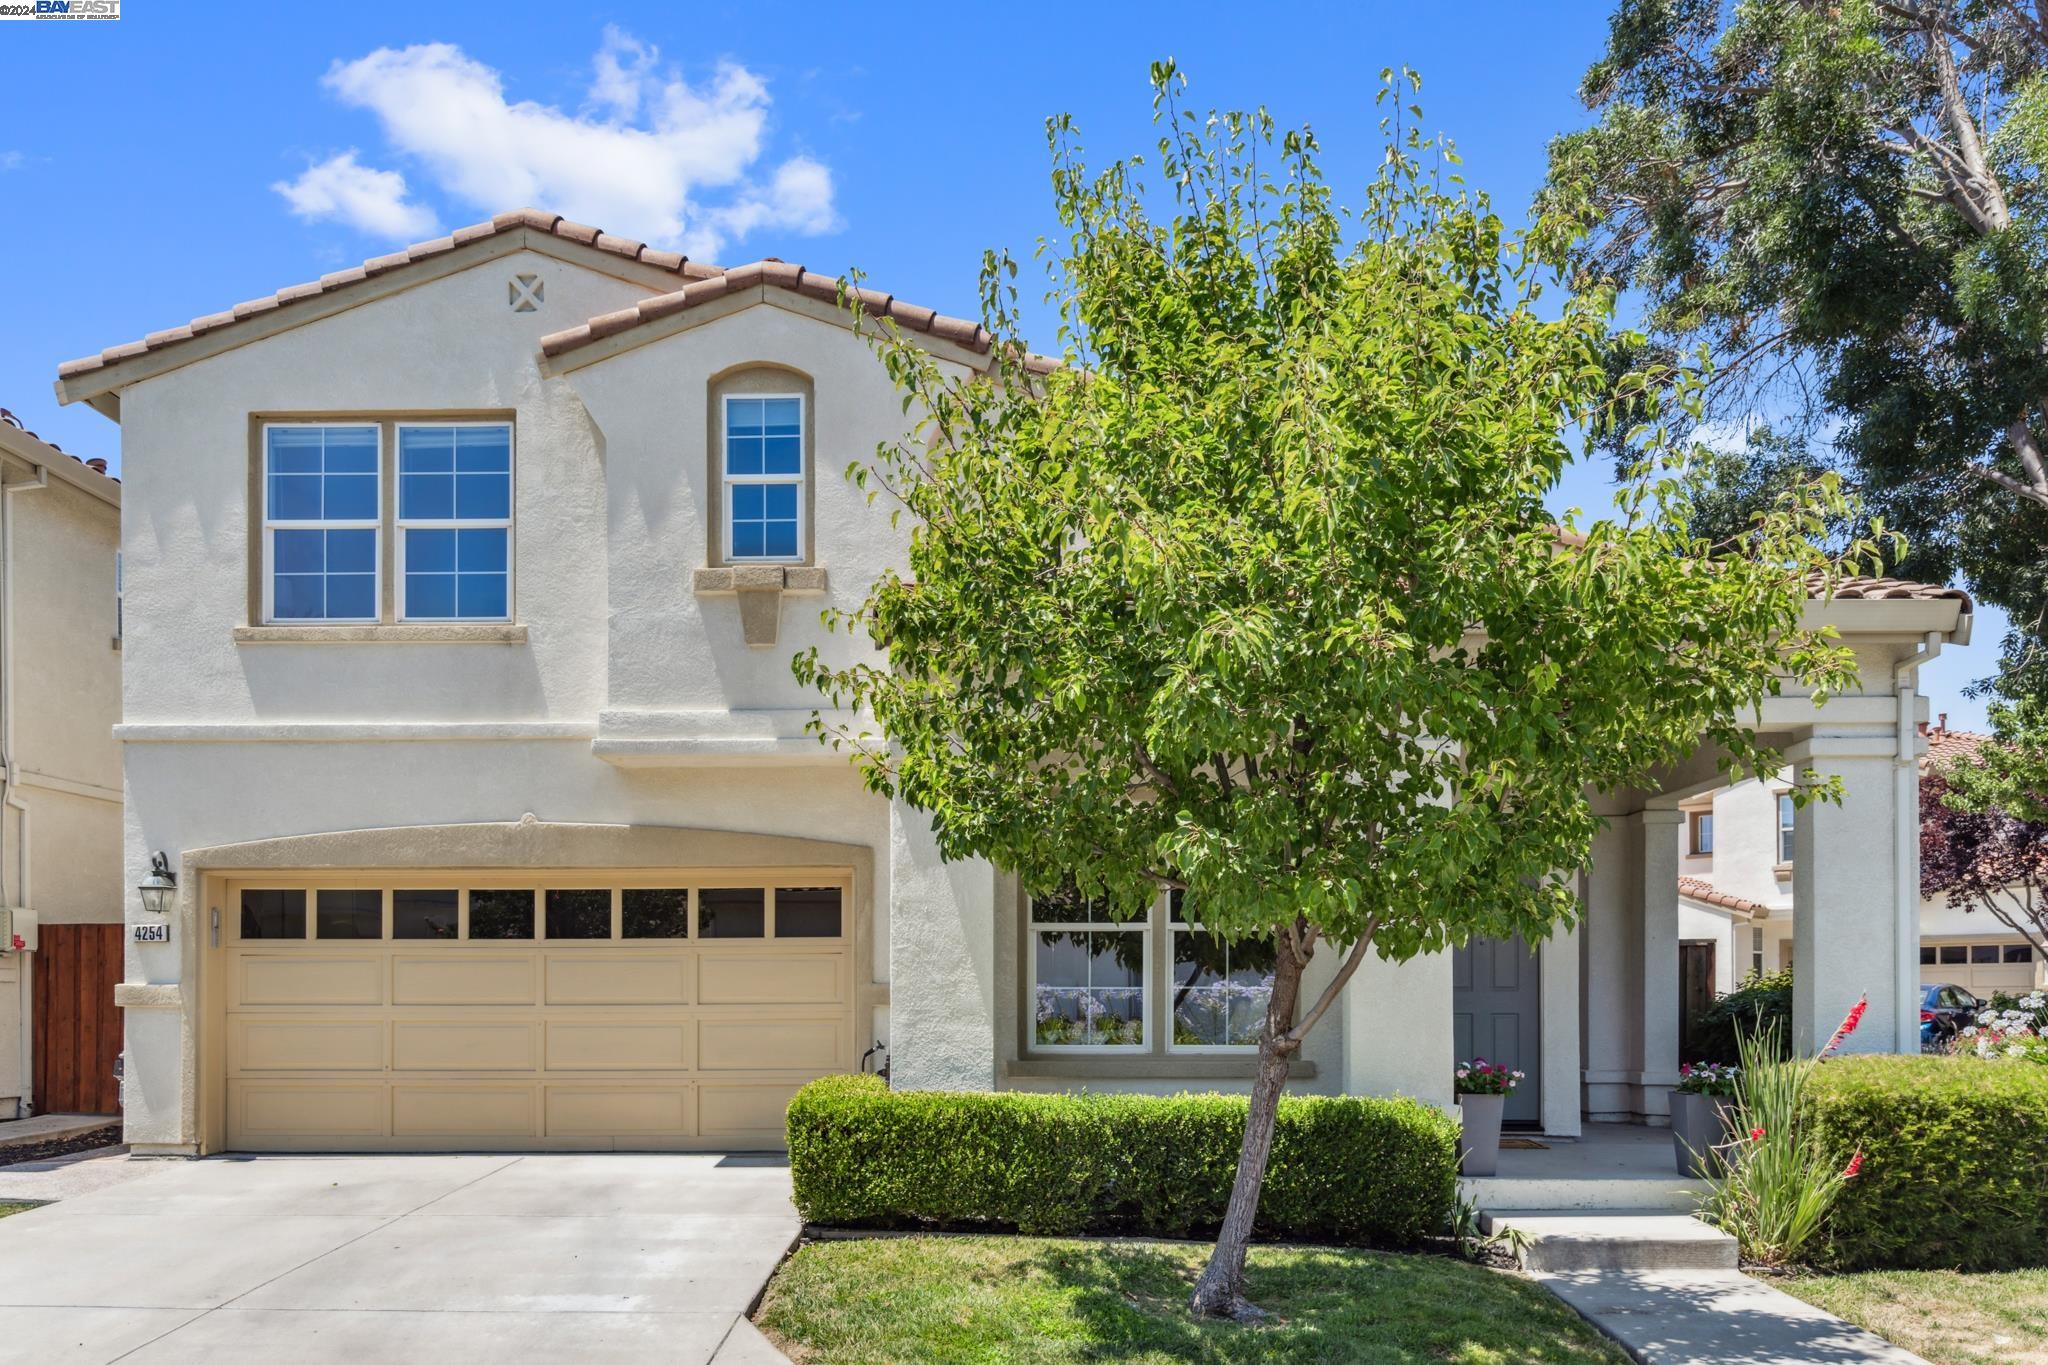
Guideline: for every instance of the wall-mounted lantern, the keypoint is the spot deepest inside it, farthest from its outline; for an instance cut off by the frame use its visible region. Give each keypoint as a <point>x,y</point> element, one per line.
<point>159,886</point>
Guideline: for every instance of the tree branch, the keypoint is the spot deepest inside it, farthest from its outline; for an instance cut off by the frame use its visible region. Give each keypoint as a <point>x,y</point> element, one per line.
<point>2009,483</point>
<point>1352,961</point>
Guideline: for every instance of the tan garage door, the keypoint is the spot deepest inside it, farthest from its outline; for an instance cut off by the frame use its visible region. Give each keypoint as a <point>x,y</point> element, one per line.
<point>408,1011</point>
<point>1982,969</point>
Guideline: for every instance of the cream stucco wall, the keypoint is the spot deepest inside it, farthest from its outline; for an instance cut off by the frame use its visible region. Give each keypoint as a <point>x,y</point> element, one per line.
<point>60,824</point>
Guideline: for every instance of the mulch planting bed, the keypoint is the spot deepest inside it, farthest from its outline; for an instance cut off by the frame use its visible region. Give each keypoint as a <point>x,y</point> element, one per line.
<point>43,1151</point>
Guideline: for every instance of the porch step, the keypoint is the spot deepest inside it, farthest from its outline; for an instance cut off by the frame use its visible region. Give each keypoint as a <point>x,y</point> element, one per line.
<point>1639,1239</point>
<point>1659,1193</point>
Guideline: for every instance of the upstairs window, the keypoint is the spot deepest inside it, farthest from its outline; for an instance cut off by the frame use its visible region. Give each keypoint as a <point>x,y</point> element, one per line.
<point>320,523</point>
<point>763,466</point>
<point>1785,814</point>
<point>1703,831</point>
<point>455,521</point>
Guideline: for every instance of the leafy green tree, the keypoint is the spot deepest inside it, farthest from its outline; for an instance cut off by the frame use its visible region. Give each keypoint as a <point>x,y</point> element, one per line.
<point>1255,597</point>
<point>1845,203</point>
<point>1984,824</point>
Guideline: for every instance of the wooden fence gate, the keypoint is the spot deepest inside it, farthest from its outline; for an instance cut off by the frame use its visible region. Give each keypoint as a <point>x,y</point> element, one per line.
<point>77,1027</point>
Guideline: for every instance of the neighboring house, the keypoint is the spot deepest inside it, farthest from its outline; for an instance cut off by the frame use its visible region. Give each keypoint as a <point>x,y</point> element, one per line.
<point>1737,860</point>
<point>462,588</point>
<point>60,777</point>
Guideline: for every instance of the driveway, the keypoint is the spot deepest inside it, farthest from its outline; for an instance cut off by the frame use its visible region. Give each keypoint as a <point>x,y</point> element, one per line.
<point>446,1259</point>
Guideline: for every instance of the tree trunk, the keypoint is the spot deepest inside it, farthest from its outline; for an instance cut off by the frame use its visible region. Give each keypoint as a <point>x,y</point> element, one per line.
<point>1220,1291</point>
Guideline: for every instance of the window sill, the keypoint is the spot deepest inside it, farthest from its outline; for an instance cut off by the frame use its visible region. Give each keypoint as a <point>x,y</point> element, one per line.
<point>1781,869</point>
<point>1150,1066</point>
<point>760,589</point>
<point>412,633</point>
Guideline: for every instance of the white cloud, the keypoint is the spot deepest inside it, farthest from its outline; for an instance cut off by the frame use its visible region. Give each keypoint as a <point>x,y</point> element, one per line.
<point>638,162</point>
<point>12,161</point>
<point>361,196</point>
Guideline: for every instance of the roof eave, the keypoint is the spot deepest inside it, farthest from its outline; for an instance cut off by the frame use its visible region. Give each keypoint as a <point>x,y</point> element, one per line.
<point>1904,616</point>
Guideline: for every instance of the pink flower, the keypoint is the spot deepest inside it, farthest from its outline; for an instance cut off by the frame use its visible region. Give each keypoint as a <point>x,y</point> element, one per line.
<point>1855,1165</point>
<point>1849,1023</point>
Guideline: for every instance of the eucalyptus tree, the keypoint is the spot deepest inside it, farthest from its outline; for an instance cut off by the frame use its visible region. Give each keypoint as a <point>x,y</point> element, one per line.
<point>1254,597</point>
<point>1845,201</point>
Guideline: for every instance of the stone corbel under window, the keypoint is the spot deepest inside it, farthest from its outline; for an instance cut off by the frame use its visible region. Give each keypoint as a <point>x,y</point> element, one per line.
<point>760,588</point>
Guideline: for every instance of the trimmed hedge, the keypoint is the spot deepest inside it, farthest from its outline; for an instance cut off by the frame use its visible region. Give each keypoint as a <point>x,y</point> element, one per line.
<point>1955,1161</point>
<point>1369,1172</point>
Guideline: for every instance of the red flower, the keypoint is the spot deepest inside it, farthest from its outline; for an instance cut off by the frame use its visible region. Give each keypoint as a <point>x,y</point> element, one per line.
<point>1756,1135</point>
<point>1855,1165</point>
<point>1849,1023</point>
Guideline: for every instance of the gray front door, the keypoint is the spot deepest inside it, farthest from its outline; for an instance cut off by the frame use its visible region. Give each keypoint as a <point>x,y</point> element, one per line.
<point>1496,1014</point>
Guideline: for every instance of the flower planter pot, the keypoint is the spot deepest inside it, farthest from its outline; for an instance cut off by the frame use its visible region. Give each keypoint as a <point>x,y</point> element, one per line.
<point>1699,1125</point>
<point>1479,1144</point>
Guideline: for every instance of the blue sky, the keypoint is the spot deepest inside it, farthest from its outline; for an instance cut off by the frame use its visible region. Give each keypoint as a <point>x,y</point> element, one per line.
<point>189,157</point>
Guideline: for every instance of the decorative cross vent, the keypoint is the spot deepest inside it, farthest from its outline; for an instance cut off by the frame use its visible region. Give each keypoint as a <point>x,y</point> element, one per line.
<point>525,293</point>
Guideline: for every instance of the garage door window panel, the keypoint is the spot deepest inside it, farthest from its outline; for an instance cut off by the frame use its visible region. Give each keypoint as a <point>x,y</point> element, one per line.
<point>273,914</point>
<point>808,912</point>
<point>426,914</point>
<point>579,913</point>
<point>732,912</point>
<point>348,914</point>
<point>501,914</point>
<point>654,912</point>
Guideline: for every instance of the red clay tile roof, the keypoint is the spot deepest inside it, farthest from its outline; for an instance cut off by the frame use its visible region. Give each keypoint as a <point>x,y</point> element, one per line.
<point>1944,746</point>
<point>704,283</point>
<point>1693,888</point>
<point>797,280</point>
<point>96,465</point>
<point>1892,590</point>
<point>552,223</point>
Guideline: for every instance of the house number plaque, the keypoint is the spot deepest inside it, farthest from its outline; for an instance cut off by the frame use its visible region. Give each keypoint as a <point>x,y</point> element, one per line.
<point>151,933</point>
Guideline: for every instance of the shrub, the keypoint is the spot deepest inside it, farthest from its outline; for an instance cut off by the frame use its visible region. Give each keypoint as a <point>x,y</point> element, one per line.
<point>1953,1154</point>
<point>1748,1010</point>
<point>1379,1172</point>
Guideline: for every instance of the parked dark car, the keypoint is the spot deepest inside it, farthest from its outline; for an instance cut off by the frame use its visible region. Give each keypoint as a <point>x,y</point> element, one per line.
<point>1943,1011</point>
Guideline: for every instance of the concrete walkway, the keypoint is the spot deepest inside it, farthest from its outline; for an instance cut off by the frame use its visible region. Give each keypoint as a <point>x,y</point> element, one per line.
<point>493,1259</point>
<point>1664,1317</point>
<point>52,1128</point>
<point>67,1177</point>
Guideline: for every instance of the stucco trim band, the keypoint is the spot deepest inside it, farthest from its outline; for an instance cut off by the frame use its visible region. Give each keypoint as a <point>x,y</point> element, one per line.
<point>1168,1068</point>
<point>452,634</point>
<point>148,995</point>
<point>354,732</point>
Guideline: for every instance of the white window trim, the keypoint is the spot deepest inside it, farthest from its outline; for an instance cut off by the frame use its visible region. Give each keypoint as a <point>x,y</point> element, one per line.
<point>799,480</point>
<point>374,525</point>
<point>1147,1013</point>
<point>1700,822</point>
<point>1785,827</point>
<point>1191,1049</point>
<point>400,525</point>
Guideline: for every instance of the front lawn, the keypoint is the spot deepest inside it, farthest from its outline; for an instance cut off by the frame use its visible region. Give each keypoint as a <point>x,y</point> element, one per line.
<point>1054,1299</point>
<point>1948,1317</point>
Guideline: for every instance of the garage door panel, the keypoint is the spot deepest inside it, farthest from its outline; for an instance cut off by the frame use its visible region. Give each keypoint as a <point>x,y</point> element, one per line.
<point>618,1045</point>
<point>307,1110</point>
<point>462,1111</point>
<point>768,978</point>
<point>294,1043</point>
<point>750,1112</point>
<point>456,978</point>
<point>588,1111</point>
<point>311,979</point>
<point>447,1045</point>
<point>602,978</point>
<point>769,1044</point>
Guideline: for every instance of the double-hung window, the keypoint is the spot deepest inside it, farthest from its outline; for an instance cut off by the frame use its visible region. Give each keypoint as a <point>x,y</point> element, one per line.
<point>1785,825</point>
<point>1087,974</point>
<point>764,477</point>
<point>320,522</point>
<point>455,521</point>
<point>1220,989</point>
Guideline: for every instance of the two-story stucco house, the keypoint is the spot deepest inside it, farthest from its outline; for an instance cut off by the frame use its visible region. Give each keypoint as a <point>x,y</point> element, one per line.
<point>60,777</point>
<point>461,591</point>
<point>1738,859</point>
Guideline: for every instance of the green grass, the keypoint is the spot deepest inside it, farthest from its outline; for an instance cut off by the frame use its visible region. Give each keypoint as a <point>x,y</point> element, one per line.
<point>1050,1299</point>
<point>6,1208</point>
<point>1950,1318</point>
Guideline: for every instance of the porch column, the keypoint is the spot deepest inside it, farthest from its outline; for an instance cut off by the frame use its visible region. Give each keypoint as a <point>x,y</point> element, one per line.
<point>941,962</point>
<point>1607,936</point>
<point>1855,921</point>
<point>1558,965</point>
<point>1397,1029</point>
<point>1657,985</point>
